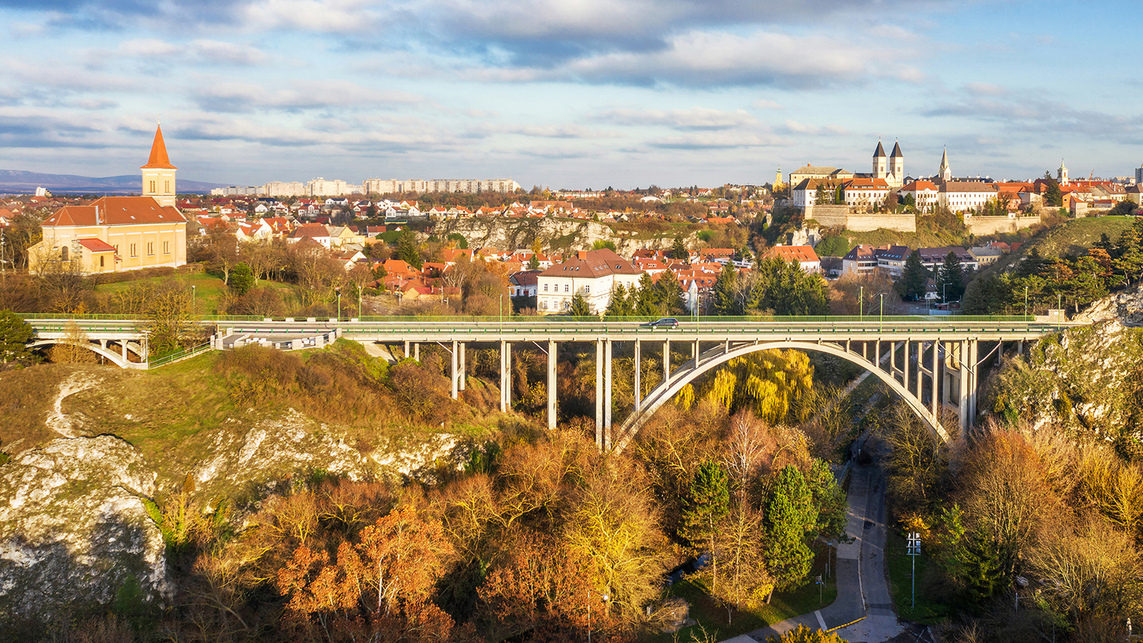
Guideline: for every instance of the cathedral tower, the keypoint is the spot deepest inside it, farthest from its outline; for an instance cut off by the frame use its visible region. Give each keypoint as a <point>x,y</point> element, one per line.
<point>896,176</point>
<point>880,168</point>
<point>1062,174</point>
<point>945,172</point>
<point>158,173</point>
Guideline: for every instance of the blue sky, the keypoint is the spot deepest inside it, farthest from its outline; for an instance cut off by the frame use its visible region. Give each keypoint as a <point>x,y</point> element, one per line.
<point>567,93</point>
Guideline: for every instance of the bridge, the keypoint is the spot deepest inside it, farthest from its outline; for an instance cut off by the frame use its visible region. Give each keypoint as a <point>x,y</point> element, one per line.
<point>931,363</point>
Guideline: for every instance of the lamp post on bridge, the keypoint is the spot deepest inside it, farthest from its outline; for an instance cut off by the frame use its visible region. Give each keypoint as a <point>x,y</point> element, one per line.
<point>861,303</point>
<point>194,300</point>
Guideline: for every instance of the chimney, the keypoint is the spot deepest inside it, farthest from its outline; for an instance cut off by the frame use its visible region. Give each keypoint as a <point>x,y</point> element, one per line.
<point>97,215</point>
<point>581,254</point>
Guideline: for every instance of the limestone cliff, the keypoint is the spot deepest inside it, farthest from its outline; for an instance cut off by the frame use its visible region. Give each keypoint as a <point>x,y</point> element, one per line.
<point>554,234</point>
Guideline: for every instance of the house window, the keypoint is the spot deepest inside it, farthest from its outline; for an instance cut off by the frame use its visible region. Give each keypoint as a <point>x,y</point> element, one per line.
<point>166,247</point>
<point>134,252</point>
<point>152,186</point>
<point>150,248</point>
<point>545,287</point>
<point>587,289</point>
<point>101,262</point>
<point>167,187</point>
<point>63,253</point>
<point>567,287</point>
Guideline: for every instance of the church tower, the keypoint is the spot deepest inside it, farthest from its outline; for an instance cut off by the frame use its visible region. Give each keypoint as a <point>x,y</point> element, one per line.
<point>896,176</point>
<point>879,162</point>
<point>1062,174</point>
<point>945,172</point>
<point>158,173</point>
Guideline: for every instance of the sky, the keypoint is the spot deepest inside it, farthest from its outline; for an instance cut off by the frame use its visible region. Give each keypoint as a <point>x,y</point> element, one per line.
<point>569,94</point>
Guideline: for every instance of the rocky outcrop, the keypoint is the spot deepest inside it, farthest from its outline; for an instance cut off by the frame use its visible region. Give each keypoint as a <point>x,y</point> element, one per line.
<point>74,529</point>
<point>554,234</point>
<point>1126,306</point>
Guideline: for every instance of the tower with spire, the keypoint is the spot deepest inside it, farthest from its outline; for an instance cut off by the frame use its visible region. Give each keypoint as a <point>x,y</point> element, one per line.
<point>945,172</point>
<point>880,165</point>
<point>158,173</point>
<point>1062,174</point>
<point>896,177</point>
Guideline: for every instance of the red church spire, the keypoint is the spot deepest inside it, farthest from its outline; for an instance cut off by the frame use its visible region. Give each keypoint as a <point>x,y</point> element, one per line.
<point>158,160</point>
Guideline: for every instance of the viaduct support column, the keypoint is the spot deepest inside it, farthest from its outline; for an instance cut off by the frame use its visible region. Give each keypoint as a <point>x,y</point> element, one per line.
<point>463,367</point>
<point>962,402</point>
<point>666,360</point>
<point>638,375</point>
<point>599,384</point>
<point>607,395</point>
<point>936,378</point>
<point>551,384</point>
<point>973,372</point>
<point>505,376</point>
<point>905,366</point>
<point>454,370</point>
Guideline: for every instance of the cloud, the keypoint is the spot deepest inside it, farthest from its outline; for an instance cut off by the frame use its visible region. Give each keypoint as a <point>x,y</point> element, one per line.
<point>226,52</point>
<point>311,15</point>
<point>1041,116</point>
<point>794,127</point>
<point>560,131</point>
<point>310,95</point>
<point>697,118</point>
<point>716,140</point>
<point>763,103</point>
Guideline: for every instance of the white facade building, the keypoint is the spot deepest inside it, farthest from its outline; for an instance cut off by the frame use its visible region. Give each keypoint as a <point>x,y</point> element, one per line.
<point>593,274</point>
<point>965,196</point>
<point>464,186</point>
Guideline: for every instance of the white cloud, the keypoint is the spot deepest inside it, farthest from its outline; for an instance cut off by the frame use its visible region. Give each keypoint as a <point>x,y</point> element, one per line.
<point>310,15</point>
<point>319,94</point>
<point>763,103</point>
<point>794,127</point>
<point>227,52</point>
<point>696,118</point>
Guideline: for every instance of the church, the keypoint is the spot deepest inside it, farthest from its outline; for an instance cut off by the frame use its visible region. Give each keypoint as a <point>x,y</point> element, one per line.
<point>891,168</point>
<point>118,233</point>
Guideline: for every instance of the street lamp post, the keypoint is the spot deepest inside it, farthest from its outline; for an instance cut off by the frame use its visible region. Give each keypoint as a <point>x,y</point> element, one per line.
<point>339,305</point>
<point>1025,301</point>
<point>913,549</point>
<point>882,320</point>
<point>861,302</point>
<point>194,300</point>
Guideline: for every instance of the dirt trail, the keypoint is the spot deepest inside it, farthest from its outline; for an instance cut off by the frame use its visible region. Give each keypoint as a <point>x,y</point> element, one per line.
<point>57,421</point>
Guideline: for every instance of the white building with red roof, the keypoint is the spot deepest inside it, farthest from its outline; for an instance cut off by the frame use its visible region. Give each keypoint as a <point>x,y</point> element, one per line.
<point>592,273</point>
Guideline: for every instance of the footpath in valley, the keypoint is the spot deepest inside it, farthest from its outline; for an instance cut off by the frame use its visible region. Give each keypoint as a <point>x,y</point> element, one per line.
<point>863,610</point>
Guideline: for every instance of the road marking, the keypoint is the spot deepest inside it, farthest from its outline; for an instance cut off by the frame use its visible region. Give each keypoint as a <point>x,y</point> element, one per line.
<point>821,621</point>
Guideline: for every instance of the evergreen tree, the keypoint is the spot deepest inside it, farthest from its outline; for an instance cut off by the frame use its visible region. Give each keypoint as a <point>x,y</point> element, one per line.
<point>15,333</point>
<point>724,300</point>
<point>579,306</point>
<point>706,504</point>
<point>914,277</point>
<point>241,279</point>
<point>407,249</point>
<point>783,288</point>
<point>950,278</point>
<point>789,514</point>
<point>670,294</point>
<point>534,262</point>
<point>621,304</point>
<point>678,250</point>
<point>647,297</point>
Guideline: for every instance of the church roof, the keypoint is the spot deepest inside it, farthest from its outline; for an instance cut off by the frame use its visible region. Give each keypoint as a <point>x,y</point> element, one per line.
<point>879,152</point>
<point>115,210</point>
<point>896,151</point>
<point>158,159</point>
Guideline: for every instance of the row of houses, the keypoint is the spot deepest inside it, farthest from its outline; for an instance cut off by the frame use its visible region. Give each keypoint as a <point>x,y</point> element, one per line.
<point>889,260</point>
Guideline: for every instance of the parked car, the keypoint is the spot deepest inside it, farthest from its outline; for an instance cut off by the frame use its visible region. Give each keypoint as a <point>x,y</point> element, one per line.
<point>665,322</point>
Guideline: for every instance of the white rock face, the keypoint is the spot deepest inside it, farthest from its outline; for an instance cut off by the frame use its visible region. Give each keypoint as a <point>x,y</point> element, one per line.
<point>1126,306</point>
<point>73,526</point>
<point>513,234</point>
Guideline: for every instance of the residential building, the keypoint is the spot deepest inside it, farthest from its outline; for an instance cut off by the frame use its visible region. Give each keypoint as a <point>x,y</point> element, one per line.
<point>925,194</point>
<point>966,196</point>
<point>891,260</point>
<point>465,186</point>
<point>119,233</point>
<point>934,257</point>
<point>804,256</point>
<point>818,172</point>
<point>525,283</point>
<point>592,274</point>
<point>861,260</point>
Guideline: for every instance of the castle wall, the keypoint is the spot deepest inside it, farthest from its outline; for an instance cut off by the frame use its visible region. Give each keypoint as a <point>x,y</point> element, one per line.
<point>842,216</point>
<point>984,226</point>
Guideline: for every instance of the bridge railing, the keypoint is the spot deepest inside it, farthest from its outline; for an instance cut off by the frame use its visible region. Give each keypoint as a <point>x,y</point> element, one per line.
<point>562,319</point>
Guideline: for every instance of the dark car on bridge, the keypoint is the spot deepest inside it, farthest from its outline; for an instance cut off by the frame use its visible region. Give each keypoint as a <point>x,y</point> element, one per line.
<point>666,322</point>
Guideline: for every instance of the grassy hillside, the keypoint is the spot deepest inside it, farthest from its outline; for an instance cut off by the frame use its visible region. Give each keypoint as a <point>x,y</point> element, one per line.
<point>209,290</point>
<point>1072,237</point>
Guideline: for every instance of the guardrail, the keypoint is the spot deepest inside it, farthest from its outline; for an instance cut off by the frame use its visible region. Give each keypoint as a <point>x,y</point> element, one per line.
<point>556,319</point>
<point>178,356</point>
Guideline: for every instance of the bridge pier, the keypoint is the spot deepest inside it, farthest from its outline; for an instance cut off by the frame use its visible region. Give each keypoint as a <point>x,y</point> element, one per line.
<point>607,389</point>
<point>463,367</point>
<point>505,375</point>
<point>638,375</point>
<point>599,384</point>
<point>551,384</point>
<point>454,378</point>
<point>666,359</point>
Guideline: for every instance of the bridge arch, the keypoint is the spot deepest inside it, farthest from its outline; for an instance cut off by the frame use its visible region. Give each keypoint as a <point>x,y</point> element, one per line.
<point>666,391</point>
<point>111,355</point>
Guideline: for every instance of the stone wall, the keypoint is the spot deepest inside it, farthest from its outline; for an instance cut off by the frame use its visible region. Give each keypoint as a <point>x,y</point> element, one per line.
<point>842,216</point>
<point>984,226</point>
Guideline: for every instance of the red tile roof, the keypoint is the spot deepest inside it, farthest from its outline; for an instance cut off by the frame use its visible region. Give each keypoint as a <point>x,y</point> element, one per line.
<point>96,245</point>
<point>115,210</point>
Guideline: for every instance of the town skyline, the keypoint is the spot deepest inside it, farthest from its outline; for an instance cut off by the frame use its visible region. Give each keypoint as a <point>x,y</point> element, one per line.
<point>575,95</point>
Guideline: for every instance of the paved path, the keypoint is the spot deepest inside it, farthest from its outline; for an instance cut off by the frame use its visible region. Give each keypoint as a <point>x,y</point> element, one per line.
<point>863,610</point>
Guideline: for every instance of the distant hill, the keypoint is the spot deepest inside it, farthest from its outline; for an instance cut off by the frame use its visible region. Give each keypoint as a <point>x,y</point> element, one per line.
<point>21,182</point>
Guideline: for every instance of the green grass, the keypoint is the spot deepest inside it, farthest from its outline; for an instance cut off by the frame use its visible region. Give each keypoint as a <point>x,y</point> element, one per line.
<point>209,289</point>
<point>926,611</point>
<point>710,616</point>
<point>1072,237</point>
